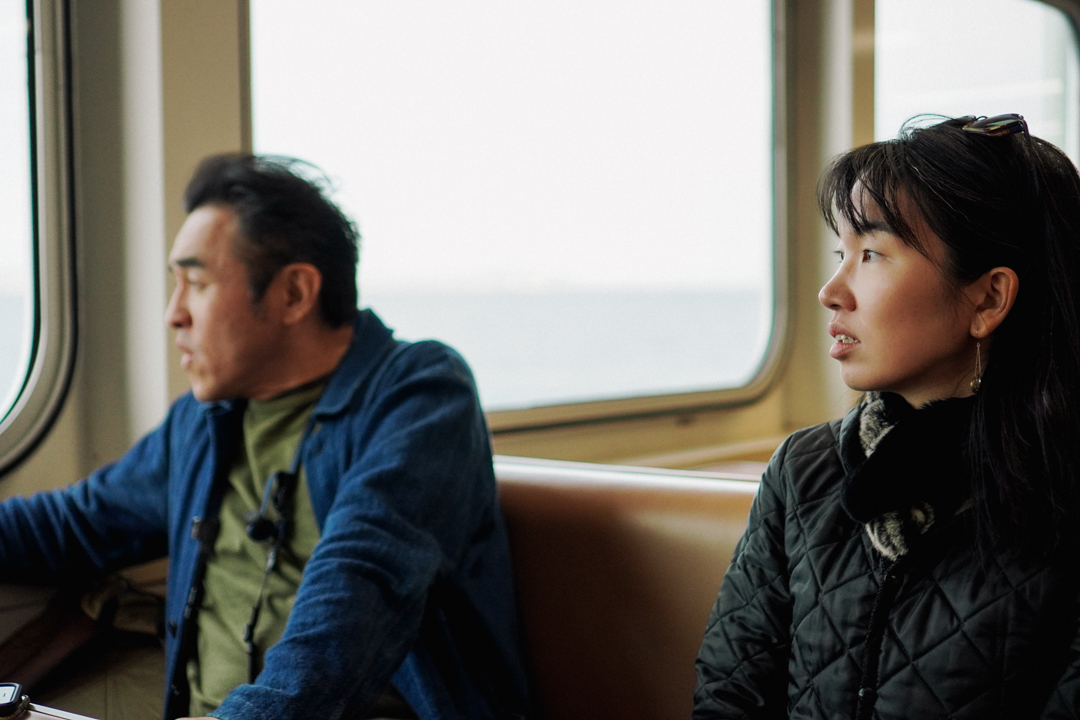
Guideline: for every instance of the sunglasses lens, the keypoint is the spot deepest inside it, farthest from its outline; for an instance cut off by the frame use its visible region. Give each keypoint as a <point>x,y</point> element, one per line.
<point>998,125</point>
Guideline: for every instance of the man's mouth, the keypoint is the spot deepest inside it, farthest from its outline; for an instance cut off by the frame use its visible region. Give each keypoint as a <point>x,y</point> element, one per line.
<point>185,355</point>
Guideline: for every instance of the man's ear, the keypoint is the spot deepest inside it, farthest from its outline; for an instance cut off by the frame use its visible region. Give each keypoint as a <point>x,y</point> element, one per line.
<point>298,285</point>
<point>993,296</point>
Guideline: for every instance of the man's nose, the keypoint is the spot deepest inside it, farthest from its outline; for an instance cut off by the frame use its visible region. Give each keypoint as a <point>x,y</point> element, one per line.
<point>176,314</point>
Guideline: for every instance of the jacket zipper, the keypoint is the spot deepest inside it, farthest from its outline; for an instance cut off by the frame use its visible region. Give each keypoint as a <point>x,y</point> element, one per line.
<point>879,621</point>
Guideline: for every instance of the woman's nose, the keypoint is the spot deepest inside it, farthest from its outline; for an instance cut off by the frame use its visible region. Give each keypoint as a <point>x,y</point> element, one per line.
<point>836,294</point>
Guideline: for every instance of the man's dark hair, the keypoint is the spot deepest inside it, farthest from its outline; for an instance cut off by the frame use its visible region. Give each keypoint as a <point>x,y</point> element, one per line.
<point>285,217</point>
<point>1011,201</point>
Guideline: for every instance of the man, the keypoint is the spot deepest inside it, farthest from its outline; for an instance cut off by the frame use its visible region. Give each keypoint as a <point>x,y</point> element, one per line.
<point>325,492</point>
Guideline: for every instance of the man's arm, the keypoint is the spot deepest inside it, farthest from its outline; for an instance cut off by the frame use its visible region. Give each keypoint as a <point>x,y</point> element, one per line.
<point>114,518</point>
<point>414,503</point>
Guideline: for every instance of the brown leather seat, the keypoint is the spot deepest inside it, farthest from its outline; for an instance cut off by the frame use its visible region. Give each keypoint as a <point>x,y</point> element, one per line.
<point>616,570</point>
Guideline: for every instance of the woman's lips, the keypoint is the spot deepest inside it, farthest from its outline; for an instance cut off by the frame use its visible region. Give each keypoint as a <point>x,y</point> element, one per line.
<point>843,345</point>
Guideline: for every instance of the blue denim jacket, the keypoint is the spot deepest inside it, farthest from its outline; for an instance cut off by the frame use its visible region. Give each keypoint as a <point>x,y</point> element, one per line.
<point>410,581</point>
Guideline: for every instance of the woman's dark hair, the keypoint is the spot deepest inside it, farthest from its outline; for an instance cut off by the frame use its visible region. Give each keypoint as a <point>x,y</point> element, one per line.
<point>284,217</point>
<point>1011,201</point>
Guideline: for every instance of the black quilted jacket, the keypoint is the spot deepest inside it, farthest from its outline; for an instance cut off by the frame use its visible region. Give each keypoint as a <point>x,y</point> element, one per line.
<point>958,635</point>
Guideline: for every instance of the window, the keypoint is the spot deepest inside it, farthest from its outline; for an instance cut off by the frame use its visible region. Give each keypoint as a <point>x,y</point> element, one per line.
<point>1015,56</point>
<point>17,309</point>
<point>577,194</point>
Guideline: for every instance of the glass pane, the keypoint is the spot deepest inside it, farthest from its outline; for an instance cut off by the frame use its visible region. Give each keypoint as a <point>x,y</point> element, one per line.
<point>16,283</point>
<point>977,57</point>
<point>577,195</point>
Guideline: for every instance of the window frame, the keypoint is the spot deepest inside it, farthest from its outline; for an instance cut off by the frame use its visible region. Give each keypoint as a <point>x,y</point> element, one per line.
<point>52,354</point>
<point>1071,9</point>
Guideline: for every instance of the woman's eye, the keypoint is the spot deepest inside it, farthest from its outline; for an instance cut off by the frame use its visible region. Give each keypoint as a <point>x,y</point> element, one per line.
<point>868,255</point>
<point>839,255</point>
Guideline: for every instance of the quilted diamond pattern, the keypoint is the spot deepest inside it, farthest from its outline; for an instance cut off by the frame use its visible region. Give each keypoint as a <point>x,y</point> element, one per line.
<point>967,638</point>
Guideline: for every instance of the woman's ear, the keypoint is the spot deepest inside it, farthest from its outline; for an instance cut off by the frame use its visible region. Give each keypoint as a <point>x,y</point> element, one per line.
<point>993,296</point>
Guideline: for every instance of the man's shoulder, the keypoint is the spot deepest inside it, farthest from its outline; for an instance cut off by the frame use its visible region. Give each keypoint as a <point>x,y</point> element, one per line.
<point>397,357</point>
<point>380,371</point>
<point>429,356</point>
<point>376,353</point>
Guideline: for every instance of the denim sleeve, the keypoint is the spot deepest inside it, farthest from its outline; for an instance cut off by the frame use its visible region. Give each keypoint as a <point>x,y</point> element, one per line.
<point>742,665</point>
<point>114,518</point>
<point>416,501</point>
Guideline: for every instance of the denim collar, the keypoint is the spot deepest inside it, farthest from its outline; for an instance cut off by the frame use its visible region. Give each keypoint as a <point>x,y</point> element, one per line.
<point>371,342</point>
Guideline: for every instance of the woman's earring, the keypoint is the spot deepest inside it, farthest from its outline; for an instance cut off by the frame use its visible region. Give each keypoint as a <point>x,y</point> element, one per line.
<point>977,381</point>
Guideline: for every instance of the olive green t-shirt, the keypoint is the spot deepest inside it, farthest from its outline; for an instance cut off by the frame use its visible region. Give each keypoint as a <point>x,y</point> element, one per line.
<point>234,570</point>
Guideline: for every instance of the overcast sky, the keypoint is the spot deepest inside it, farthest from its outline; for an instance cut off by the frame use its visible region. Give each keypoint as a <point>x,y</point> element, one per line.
<point>492,145</point>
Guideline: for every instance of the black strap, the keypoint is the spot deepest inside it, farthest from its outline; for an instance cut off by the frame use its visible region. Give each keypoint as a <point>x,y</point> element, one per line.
<point>280,488</point>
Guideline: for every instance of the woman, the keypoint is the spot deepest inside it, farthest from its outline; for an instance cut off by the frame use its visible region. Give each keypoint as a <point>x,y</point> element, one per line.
<point>918,558</point>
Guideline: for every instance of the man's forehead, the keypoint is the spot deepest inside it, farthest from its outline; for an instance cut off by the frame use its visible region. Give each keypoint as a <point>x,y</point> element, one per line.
<point>206,236</point>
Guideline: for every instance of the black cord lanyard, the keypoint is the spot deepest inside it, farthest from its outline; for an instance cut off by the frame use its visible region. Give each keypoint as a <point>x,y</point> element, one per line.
<point>280,488</point>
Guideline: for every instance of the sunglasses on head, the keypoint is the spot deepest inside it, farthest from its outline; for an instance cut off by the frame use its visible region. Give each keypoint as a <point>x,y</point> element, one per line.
<point>996,126</point>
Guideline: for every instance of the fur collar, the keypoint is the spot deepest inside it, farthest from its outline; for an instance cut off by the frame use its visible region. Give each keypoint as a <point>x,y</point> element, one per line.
<point>905,468</point>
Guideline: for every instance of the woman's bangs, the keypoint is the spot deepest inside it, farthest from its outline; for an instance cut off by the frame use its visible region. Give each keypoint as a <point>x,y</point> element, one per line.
<point>868,175</point>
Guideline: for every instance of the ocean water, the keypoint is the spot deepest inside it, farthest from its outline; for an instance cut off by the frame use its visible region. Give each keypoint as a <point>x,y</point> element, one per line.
<point>529,349</point>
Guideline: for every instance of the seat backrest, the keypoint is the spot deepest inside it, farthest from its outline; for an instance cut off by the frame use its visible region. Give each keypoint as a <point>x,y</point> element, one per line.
<point>616,571</point>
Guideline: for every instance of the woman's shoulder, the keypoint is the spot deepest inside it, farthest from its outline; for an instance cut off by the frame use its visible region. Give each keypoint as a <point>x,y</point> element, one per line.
<point>823,439</point>
<point>807,464</point>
